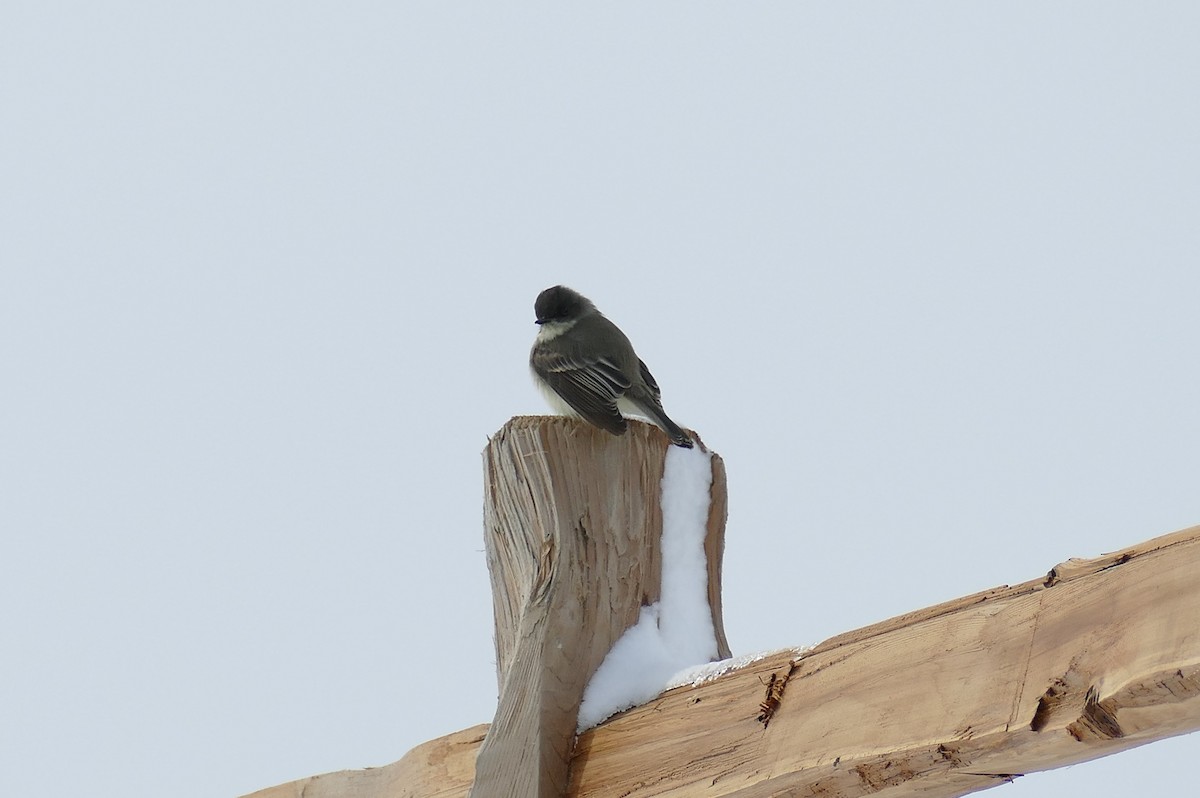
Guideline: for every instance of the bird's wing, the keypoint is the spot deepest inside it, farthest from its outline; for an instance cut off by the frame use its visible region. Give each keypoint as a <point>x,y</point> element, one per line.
<point>648,378</point>
<point>589,385</point>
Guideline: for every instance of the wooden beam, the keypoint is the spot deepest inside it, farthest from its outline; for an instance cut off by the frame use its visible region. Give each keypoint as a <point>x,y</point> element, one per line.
<point>1100,656</point>
<point>441,768</point>
<point>1096,657</point>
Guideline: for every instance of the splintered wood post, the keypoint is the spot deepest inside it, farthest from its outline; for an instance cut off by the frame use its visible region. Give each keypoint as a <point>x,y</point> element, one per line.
<point>572,521</point>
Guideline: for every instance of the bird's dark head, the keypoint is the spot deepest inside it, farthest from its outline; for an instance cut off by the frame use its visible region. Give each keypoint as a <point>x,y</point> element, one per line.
<point>561,304</point>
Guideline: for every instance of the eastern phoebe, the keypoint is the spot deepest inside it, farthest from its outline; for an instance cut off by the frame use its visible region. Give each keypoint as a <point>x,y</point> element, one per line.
<point>586,366</point>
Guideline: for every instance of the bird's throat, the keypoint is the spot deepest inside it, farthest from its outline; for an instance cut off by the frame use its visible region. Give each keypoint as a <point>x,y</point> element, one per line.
<point>552,329</point>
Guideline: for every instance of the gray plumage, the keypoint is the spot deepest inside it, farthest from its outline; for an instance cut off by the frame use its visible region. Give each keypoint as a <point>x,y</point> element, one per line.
<point>584,360</point>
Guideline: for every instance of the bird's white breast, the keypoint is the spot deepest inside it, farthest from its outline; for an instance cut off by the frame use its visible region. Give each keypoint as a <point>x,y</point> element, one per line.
<point>552,398</point>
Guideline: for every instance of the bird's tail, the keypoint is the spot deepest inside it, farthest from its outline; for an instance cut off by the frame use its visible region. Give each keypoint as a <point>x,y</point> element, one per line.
<point>659,416</point>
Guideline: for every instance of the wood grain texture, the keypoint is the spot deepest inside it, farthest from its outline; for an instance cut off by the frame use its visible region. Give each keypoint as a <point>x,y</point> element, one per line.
<point>1095,657</point>
<point>573,525</point>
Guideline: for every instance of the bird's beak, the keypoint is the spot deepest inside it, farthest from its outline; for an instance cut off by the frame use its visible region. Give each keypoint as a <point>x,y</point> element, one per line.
<point>539,321</point>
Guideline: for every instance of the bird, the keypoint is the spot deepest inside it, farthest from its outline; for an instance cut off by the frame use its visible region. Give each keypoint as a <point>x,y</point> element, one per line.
<point>587,367</point>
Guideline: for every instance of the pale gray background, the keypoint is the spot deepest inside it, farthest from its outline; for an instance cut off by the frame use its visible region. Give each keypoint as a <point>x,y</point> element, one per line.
<point>925,274</point>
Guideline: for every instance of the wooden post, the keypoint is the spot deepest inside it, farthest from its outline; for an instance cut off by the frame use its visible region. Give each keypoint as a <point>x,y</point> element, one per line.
<point>572,522</point>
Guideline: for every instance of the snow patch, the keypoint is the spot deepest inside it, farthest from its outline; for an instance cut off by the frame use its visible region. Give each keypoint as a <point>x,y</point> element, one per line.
<point>700,674</point>
<point>676,632</point>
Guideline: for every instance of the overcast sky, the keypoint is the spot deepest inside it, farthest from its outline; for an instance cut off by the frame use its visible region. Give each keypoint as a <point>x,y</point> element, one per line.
<point>924,274</point>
